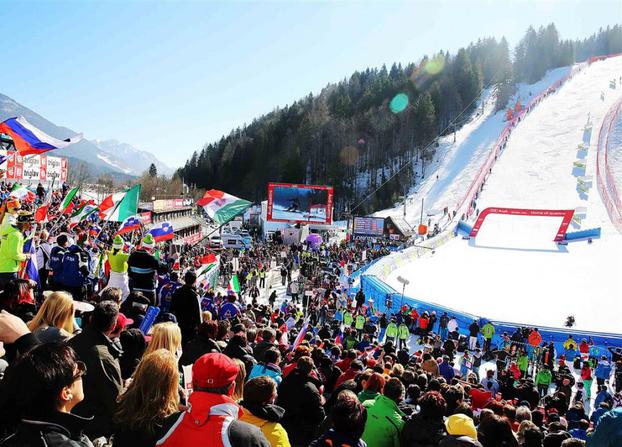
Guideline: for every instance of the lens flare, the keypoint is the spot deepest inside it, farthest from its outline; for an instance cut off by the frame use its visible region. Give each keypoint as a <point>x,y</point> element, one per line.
<point>399,103</point>
<point>434,66</point>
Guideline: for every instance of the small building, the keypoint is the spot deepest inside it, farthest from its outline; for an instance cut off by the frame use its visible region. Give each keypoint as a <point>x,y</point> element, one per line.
<point>396,228</point>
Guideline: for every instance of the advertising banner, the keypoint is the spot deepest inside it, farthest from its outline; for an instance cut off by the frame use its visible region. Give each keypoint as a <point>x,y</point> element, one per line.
<point>300,203</point>
<point>34,168</point>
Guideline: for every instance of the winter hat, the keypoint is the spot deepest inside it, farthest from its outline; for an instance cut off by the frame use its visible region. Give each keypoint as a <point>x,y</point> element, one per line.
<point>117,242</point>
<point>214,370</point>
<point>148,241</point>
<point>461,425</point>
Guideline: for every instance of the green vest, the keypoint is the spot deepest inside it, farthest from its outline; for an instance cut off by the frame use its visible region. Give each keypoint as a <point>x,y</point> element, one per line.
<point>488,331</point>
<point>404,332</point>
<point>391,330</point>
<point>347,318</point>
<point>11,249</point>
<point>360,322</point>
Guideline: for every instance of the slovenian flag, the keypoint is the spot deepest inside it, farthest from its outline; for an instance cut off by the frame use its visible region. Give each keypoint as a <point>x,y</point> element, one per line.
<point>119,206</point>
<point>339,338</point>
<point>222,207</point>
<point>163,232</point>
<point>301,334</point>
<point>130,224</point>
<point>29,268</point>
<point>22,193</point>
<point>94,230</point>
<point>30,140</point>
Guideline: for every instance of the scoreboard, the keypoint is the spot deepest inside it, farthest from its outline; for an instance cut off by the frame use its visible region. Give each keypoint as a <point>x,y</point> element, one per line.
<point>369,226</point>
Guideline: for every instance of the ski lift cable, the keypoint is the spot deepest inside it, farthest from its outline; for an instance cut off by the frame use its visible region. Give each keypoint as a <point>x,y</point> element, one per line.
<point>451,123</point>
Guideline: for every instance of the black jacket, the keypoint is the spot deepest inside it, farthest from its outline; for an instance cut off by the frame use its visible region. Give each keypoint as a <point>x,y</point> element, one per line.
<point>185,306</point>
<point>459,441</point>
<point>423,432</point>
<point>59,430</point>
<point>261,348</point>
<point>299,396</point>
<point>196,348</point>
<point>143,269</point>
<point>102,383</point>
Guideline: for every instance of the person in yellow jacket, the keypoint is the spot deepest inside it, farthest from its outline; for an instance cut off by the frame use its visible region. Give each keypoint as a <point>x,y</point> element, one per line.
<point>359,324</point>
<point>348,318</point>
<point>12,247</point>
<point>260,411</point>
<point>117,259</point>
<point>404,335</point>
<point>391,332</point>
<point>9,212</point>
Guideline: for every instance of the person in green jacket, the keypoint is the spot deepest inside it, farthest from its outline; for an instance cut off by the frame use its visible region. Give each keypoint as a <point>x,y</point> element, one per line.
<point>391,332</point>
<point>404,335</point>
<point>12,247</point>
<point>543,381</point>
<point>359,324</point>
<point>350,341</point>
<point>523,363</point>
<point>384,419</point>
<point>348,318</point>
<point>488,331</point>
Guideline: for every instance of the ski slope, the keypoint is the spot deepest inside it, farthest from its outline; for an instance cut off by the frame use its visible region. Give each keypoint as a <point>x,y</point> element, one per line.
<point>513,271</point>
<point>456,163</point>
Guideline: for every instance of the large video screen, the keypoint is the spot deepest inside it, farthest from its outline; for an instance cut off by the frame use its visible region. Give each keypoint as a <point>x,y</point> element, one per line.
<point>369,226</point>
<point>300,203</point>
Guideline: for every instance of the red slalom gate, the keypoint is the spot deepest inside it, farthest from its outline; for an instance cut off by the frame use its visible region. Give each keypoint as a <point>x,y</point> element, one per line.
<point>561,232</point>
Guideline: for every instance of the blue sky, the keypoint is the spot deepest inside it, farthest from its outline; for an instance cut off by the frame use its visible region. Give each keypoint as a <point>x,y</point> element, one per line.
<point>170,76</point>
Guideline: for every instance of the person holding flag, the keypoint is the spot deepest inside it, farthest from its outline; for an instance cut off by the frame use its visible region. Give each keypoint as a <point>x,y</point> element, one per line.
<point>11,208</point>
<point>143,269</point>
<point>117,259</point>
<point>12,247</point>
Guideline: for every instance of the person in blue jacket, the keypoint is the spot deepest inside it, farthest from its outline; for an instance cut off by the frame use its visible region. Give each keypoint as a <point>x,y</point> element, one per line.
<point>602,370</point>
<point>56,260</point>
<point>74,276</point>
<point>608,431</point>
<point>229,309</point>
<point>270,367</point>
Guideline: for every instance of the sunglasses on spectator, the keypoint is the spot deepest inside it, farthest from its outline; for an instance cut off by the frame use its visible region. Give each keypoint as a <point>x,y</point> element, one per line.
<point>81,371</point>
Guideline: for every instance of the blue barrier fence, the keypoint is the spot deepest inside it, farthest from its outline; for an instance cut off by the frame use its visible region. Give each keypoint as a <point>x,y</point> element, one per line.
<point>464,228</point>
<point>384,295</point>
<point>583,234</point>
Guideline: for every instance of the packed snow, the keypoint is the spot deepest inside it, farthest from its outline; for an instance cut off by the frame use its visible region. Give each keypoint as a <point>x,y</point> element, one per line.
<point>513,271</point>
<point>456,163</point>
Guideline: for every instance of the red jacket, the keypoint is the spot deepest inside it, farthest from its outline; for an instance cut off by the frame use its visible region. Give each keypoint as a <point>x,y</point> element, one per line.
<point>211,420</point>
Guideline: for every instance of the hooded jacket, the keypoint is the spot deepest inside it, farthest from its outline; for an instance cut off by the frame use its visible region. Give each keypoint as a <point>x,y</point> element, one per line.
<point>210,420</point>
<point>384,422</point>
<point>423,432</point>
<point>267,418</point>
<point>103,383</point>
<point>299,396</point>
<point>11,249</point>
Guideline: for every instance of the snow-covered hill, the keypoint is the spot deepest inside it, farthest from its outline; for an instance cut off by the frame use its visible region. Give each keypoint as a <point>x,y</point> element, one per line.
<point>112,156</point>
<point>456,163</point>
<point>513,271</point>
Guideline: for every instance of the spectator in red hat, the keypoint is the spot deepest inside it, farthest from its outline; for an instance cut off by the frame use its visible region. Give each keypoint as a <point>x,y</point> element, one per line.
<point>212,417</point>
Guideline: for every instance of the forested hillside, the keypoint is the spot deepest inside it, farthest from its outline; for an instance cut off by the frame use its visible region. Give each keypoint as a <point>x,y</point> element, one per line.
<point>356,134</point>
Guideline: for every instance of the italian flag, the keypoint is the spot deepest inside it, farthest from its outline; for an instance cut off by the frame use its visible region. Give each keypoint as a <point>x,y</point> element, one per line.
<point>68,199</point>
<point>222,207</point>
<point>234,284</point>
<point>80,215</point>
<point>119,206</point>
<point>22,193</point>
